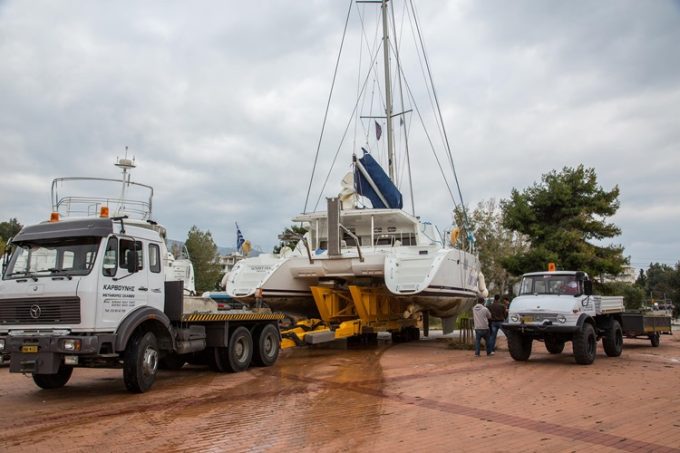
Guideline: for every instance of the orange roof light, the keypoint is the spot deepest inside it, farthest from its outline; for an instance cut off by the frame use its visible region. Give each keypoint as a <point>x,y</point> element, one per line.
<point>54,217</point>
<point>551,267</point>
<point>104,212</point>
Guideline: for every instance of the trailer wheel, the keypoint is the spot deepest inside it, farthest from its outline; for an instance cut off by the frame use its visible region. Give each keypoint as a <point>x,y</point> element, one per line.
<point>585,345</point>
<point>240,350</point>
<point>613,340</point>
<point>54,381</point>
<point>268,346</point>
<point>519,346</point>
<point>554,345</point>
<point>655,338</point>
<point>140,363</point>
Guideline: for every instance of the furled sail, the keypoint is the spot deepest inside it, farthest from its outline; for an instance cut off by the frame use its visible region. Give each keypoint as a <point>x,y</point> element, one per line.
<point>372,182</point>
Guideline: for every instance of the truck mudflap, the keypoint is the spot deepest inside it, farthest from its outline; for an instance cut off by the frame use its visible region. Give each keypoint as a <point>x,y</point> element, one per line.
<point>44,354</point>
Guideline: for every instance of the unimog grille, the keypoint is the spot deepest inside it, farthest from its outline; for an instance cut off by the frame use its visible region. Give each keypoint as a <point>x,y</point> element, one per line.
<point>52,310</point>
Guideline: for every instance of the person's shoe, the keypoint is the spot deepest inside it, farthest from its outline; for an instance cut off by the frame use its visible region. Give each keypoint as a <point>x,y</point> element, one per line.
<point>491,353</point>
<point>476,355</point>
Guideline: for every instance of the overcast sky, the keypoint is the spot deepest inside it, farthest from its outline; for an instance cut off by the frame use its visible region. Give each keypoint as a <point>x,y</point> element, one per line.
<point>222,102</point>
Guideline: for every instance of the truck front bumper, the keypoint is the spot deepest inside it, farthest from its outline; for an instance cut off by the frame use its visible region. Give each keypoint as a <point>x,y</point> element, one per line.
<point>539,329</point>
<point>43,354</point>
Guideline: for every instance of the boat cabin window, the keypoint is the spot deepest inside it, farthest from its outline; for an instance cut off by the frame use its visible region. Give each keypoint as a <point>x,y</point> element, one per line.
<point>71,256</point>
<point>550,284</point>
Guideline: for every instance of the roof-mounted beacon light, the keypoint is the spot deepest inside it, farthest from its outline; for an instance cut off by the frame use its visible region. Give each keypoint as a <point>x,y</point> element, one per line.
<point>551,267</point>
<point>54,217</point>
<point>104,212</point>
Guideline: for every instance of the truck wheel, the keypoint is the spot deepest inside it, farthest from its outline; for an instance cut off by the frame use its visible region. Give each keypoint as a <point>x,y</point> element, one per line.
<point>217,359</point>
<point>585,345</point>
<point>140,362</point>
<point>54,381</point>
<point>655,338</point>
<point>519,346</point>
<point>613,340</point>
<point>240,350</point>
<point>554,345</point>
<point>268,346</point>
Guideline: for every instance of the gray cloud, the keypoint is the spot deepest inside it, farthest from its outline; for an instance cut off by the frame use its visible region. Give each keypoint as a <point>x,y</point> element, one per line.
<point>222,102</point>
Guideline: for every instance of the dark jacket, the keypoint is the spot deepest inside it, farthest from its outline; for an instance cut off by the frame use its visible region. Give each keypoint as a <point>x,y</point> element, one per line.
<point>498,311</point>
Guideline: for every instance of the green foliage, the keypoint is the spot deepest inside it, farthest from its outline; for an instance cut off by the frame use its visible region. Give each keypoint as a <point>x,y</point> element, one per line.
<point>560,216</point>
<point>3,244</point>
<point>290,237</point>
<point>633,295</point>
<point>493,242</point>
<point>662,282</point>
<point>9,229</point>
<point>203,252</point>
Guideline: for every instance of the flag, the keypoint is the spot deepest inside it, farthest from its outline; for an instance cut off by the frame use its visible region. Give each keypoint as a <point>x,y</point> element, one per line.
<point>239,238</point>
<point>378,131</point>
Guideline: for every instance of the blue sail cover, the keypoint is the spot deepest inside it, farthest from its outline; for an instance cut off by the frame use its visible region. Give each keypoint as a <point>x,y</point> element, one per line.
<point>380,179</point>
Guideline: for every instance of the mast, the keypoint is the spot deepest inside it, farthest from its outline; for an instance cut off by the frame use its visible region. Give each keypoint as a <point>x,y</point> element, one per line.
<point>388,93</point>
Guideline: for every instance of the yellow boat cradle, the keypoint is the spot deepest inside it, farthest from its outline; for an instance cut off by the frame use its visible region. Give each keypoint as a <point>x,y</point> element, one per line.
<point>351,312</point>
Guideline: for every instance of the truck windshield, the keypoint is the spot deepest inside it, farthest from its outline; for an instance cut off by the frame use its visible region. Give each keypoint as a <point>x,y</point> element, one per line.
<point>549,284</point>
<point>72,256</point>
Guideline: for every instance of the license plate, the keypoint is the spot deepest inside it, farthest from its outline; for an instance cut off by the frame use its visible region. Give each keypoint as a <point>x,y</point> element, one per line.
<point>527,319</point>
<point>33,348</point>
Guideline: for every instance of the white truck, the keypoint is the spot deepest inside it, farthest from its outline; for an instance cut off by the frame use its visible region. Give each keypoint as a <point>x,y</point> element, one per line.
<point>557,307</point>
<point>100,292</point>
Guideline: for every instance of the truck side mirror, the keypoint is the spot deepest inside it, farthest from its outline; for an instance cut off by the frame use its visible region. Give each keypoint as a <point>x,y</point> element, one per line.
<point>588,287</point>
<point>131,261</point>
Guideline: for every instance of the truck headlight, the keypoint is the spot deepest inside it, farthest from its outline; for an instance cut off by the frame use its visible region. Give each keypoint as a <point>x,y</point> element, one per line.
<point>514,318</point>
<point>561,319</point>
<point>71,345</point>
<point>2,344</point>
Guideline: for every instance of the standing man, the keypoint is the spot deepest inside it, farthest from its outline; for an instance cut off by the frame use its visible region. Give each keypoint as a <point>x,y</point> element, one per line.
<point>481,315</point>
<point>498,314</point>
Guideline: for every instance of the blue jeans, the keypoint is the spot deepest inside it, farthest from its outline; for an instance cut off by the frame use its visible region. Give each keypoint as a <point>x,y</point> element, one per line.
<point>495,326</point>
<point>479,334</point>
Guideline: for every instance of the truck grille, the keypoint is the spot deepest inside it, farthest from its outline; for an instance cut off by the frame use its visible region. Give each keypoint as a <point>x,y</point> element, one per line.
<point>40,310</point>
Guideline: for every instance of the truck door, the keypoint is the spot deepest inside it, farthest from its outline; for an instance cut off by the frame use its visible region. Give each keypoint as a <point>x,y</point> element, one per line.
<point>156,278</point>
<point>121,290</point>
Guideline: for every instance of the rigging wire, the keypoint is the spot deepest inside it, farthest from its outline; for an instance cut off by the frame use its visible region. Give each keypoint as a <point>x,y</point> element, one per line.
<point>344,134</point>
<point>446,138</point>
<point>325,116</point>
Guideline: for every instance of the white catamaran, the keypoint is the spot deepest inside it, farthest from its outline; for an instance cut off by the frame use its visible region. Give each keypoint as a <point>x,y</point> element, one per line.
<point>382,247</point>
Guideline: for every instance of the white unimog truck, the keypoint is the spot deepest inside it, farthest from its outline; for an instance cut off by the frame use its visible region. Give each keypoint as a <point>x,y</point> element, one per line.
<point>92,292</point>
<point>557,307</point>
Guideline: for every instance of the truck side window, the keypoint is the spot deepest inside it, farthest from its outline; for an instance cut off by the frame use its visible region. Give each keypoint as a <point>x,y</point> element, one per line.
<point>110,258</point>
<point>128,246</point>
<point>154,258</point>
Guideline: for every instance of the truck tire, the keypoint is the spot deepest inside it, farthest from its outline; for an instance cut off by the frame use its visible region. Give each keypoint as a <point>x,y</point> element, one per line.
<point>554,345</point>
<point>613,340</point>
<point>268,346</point>
<point>217,359</point>
<point>655,338</point>
<point>140,362</point>
<point>240,351</point>
<point>585,344</point>
<point>519,346</point>
<point>54,381</point>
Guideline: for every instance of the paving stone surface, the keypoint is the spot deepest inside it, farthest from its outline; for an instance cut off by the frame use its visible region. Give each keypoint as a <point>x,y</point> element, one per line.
<point>422,396</point>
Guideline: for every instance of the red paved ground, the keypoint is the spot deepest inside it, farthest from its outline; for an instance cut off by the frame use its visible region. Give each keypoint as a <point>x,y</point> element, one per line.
<point>408,397</point>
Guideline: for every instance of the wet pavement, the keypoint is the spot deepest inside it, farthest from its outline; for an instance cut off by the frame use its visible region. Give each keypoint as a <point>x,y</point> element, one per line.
<point>422,396</point>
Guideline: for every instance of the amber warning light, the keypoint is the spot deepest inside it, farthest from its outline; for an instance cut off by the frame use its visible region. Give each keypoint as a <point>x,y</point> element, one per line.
<point>104,212</point>
<point>54,217</point>
<point>551,267</point>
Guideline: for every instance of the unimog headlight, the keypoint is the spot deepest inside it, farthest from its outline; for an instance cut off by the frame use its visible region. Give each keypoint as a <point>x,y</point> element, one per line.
<point>2,344</point>
<point>561,319</point>
<point>514,317</point>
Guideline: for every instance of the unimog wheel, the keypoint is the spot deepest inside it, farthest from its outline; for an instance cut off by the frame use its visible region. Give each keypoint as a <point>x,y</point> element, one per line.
<point>519,346</point>
<point>554,345</point>
<point>585,345</point>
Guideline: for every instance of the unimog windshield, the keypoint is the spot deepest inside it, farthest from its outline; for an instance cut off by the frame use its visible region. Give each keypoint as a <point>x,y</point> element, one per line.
<point>550,284</point>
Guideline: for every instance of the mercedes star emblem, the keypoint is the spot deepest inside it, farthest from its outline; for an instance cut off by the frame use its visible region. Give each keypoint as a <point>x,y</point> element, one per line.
<point>35,311</point>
